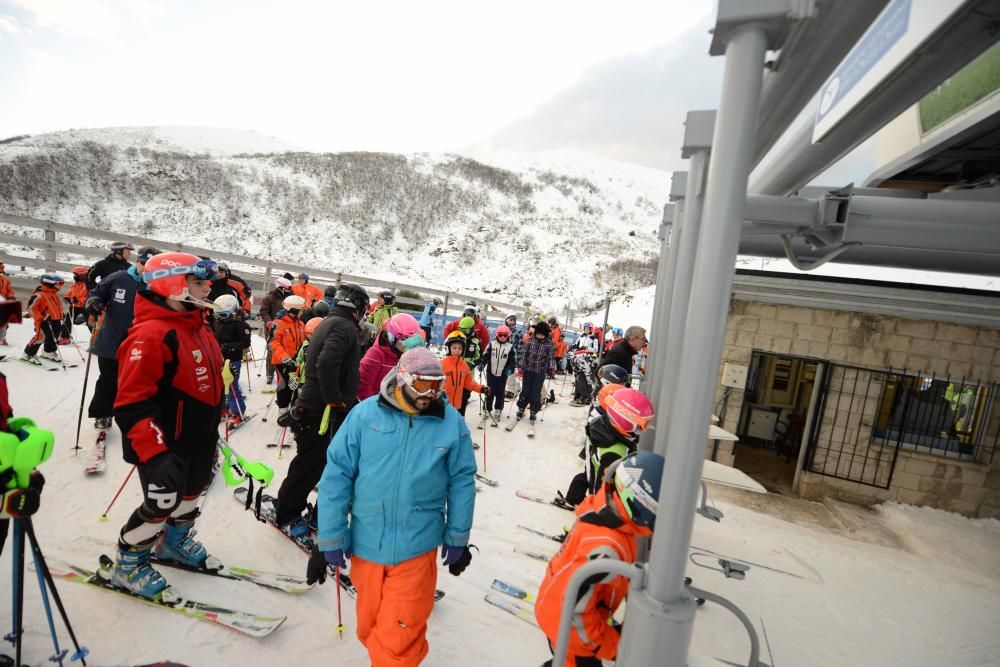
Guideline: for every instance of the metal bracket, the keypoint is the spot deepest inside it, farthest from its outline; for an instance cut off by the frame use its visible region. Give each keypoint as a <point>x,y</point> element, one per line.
<point>734,570</point>
<point>786,242</point>
<point>713,513</point>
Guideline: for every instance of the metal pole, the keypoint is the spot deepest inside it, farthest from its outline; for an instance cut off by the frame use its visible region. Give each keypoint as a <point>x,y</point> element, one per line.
<point>660,618</point>
<point>807,429</point>
<point>604,327</point>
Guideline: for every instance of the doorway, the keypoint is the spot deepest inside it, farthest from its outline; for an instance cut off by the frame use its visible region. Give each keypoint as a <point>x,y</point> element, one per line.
<point>774,417</point>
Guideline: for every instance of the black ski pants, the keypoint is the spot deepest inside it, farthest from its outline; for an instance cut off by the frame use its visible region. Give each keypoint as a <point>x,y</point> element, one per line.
<point>497,384</point>
<point>45,333</point>
<point>307,466</point>
<point>284,391</point>
<point>106,389</point>
<point>531,391</point>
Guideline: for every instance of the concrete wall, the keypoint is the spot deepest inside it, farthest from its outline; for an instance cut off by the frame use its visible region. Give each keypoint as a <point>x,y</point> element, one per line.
<point>876,342</point>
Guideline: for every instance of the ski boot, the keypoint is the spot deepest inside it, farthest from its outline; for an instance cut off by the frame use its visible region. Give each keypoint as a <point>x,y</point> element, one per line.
<point>178,544</point>
<point>519,415</point>
<point>132,572</point>
<point>496,418</point>
<point>102,423</point>
<point>50,356</point>
<point>31,359</point>
<point>297,528</point>
<point>65,340</point>
<point>235,421</point>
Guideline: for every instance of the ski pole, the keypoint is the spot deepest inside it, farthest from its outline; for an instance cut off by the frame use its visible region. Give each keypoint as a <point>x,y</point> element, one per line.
<point>247,360</point>
<point>104,517</point>
<point>83,398</point>
<point>267,408</point>
<point>281,443</point>
<point>340,616</point>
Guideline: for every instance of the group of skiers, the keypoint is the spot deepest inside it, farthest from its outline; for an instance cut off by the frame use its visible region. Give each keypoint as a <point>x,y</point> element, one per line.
<point>368,404</point>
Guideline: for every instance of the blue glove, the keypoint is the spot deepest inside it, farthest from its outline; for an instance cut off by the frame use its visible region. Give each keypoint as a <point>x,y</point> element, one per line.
<point>456,558</point>
<point>508,373</point>
<point>320,560</point>
<point>337,558</point>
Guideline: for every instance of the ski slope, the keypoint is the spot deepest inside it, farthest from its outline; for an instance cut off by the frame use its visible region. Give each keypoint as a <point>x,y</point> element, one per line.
<point>914,587</point>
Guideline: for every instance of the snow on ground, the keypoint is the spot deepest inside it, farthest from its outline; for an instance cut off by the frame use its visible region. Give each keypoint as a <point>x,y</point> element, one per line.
<point>931,596</point>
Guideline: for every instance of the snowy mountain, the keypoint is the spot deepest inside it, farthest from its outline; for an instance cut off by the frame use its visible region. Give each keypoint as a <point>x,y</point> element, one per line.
<point>523,228</point>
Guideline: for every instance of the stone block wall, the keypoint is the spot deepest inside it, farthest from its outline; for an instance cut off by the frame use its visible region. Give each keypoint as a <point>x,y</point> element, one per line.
<point>875,342</point>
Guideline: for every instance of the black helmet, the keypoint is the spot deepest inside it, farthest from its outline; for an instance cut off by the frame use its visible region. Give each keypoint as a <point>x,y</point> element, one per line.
<point>353,296</point>
<point>321,308</point>
<point>120,246</point>
<point>388,298</point>
<point>542,328</point>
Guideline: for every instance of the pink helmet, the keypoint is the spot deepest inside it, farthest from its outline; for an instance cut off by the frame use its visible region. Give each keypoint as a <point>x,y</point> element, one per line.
<point>401,326</point>
<point>629,411</point>
<point>503,330</point>
<point>166,274</point>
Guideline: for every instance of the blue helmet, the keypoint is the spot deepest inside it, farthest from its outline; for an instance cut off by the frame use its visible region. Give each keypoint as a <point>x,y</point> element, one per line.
<point>636,481</point>
<point>612,374</point>
<point>618,331</point>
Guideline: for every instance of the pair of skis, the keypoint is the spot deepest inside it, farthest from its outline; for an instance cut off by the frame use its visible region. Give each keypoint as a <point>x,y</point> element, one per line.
<point>559,501</point>
<point>96,462</point>
<point>531,426</point>
<point>62,365</point>
<point>505,600</point>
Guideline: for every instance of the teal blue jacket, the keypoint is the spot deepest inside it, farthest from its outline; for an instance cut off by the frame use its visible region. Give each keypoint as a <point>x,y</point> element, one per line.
<point>396,486</point>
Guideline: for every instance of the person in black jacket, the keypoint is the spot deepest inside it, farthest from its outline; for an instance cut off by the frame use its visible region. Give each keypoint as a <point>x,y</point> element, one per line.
<point>114,299</point>
<point>623,352</point>
<point>233,335</point>
<point>330,387</point>
<point>117,261</point>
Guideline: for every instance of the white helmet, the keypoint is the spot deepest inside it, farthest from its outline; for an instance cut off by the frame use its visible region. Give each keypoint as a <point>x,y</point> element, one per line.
<point>293,302</point>
<point>226,305</point>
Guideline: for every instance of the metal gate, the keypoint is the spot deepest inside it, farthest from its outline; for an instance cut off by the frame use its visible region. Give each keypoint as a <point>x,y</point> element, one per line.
<point>843,443</point>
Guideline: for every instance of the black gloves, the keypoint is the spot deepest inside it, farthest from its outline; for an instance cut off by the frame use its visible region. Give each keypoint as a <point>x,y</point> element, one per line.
<point>22,503</point>
<point>167,470</point>
<point>95,307</point>
<point>456,558</point>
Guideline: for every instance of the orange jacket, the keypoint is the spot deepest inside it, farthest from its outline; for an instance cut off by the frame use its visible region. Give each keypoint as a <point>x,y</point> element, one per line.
<point>6,289</point>
<point>47,305</point>
<point>591,634</point>
<point>77,294</point>
<point>554,333</point>
<point>560,350</point>
<point>457,377</point>
<point>288,335</point>
<point>309,292</point>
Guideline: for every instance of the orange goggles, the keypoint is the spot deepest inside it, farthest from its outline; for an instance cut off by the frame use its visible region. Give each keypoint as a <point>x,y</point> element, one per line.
<point>423,385</point>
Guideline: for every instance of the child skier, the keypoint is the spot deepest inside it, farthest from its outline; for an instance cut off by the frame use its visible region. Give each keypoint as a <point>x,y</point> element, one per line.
<point>473,351</point>
<point>287,335</point>
<point>608,525</point>
<point>6,294</point>
<point>535,365</point>
<point>46,310</point>
<point>76,300</point>
<point>458,377</point>
<point>500,361</point>
<point>233,335</point>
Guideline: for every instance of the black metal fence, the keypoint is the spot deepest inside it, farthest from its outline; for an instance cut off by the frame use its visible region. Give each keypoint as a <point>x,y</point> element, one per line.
<point>864,417</point>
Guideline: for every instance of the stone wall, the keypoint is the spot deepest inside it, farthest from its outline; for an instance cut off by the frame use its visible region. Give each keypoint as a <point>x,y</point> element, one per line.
<point>875,342</point>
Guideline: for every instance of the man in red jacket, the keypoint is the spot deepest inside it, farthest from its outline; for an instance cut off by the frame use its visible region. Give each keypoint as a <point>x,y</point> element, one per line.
<point>482,333</point>
<point>168,408</point>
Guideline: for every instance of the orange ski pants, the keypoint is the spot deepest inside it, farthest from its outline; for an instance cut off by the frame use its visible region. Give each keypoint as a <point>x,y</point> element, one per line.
<point>393,605</point>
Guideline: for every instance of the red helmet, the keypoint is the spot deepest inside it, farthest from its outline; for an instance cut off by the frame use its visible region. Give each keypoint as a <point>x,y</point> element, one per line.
<point>629,411</point>
<point>166,274</point>
<point>503,330</point>
<point>80,270</point>
<point>312,325</point>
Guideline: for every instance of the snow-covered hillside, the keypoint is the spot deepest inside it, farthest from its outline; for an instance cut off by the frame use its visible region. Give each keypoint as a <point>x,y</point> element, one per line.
<point>534,228</point>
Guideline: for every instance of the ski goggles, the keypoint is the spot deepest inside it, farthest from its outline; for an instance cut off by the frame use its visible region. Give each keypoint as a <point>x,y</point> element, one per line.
<point>144,257</point>
<point>502,336</point>
<point>424,386</point>
<point>204,269</point>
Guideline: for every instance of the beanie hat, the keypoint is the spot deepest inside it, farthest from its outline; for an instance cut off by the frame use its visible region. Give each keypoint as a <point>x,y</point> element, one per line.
<point>542,328</point>
<point>420,361</point>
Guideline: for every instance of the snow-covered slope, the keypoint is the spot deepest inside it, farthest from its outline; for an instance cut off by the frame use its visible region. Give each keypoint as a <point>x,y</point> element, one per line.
<point>534,228</point>
<point>924,591</point>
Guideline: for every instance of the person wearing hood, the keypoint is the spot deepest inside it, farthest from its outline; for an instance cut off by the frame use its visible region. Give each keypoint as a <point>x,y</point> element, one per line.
<point>399,482</point>
<point>400,334</point>
<point>270,305</point>
<point>113,300</point>
<point>427,318</point>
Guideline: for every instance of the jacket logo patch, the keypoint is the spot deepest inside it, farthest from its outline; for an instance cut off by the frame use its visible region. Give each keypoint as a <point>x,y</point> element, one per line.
<point>135,354</point>
<point>203,388</point>
<point>201,370</point>
<point>197,356</point>
<point>120,295</point>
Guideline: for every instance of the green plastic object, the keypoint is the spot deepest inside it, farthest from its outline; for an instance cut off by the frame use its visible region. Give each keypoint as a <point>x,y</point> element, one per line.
<point>236,469</point>
<point>24,450</point>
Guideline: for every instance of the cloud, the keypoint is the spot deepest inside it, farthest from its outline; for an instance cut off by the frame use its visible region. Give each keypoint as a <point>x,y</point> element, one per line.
<point>630,108</point>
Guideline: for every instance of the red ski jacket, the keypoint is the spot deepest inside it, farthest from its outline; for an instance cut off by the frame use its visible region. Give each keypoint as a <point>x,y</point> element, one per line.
<point>482,333</point>
<point>169,382</point>
<point>375,365</point>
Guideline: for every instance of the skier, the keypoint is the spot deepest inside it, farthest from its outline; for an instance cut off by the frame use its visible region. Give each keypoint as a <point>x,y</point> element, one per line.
<point>46,311</point>
<point>243,291</point>
<point>616,335</point>
<point>427,318</point>
<point>612,430</point>
<point>168,409</point>
<point>286,337</point>
<point>307,290</point>
<point>233,335</point>
<point>623,352</point>
<point>387,309</point>
<point>269,307</point>
<point>608,525</point>
<point>401,333</point>
<point>222,285</point>
<point>517,338</point>
<point>399,482</point>
<point>76,300</point>
<point>583,363</point>
<point>330,296</point>
<point>116,261</point>
<point>555,333</point>
<point>114,298</point>
<point>482,332</point>
<point>6,294</point>
<point>499,361</point>
<point>535,365</point>
<point>458,378</point>
<point>330,389</point>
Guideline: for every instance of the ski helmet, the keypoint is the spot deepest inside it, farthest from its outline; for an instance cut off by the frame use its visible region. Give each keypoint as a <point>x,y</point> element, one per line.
<point>353,296</point>
<point>436,301</point>
<point>467,323</point>
<point>587,325</point>
<point>552,320</point>
<point>470,311</point>
<point>635,480</point>
<point>80,273</point>
<point>330,291</point>
<point>226,306</point>
<point>604,392</point>
<point>629,411</point>
<point>312,324</point>
<point>617,331</point>
<point>542,328</point>
<point>401,327</point>
<point>455,337</point>
<point>52,280</point>
<point>283,285</point>
<point>612,374</point>
<point>388,298</point>
<point>119,247</point>
<point>304,276</point>
<point>503,331</point>
<point>510,320</point>
<point>420,370</point>
<point>321,309</point>
<point>293,303</point>
<point>166,274</point>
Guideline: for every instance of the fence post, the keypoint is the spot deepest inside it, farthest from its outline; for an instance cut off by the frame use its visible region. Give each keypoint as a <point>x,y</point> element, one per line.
<point>50,253</point>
